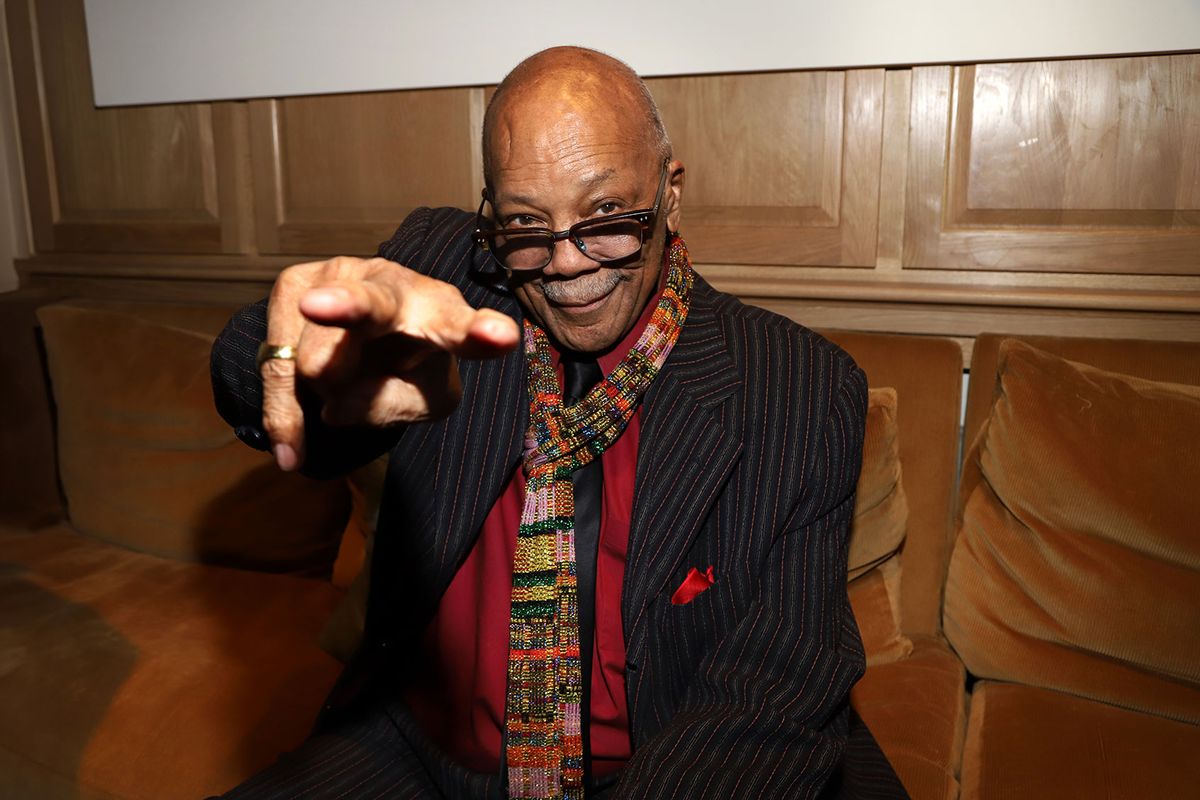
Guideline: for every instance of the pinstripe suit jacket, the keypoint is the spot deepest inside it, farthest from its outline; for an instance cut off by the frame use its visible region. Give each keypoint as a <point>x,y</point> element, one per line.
<point>749,453</point>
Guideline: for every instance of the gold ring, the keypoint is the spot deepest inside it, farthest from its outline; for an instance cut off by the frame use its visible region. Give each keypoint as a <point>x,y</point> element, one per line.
<point>267,352</point>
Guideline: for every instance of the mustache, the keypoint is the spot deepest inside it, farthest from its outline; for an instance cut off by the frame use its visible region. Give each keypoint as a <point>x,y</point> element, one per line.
<point>581,288</point>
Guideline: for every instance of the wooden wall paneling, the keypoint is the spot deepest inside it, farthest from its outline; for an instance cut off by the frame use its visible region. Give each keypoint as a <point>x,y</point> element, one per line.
<point>115,179</point>
<point>1072,166</point>
<point>235,190</point>
<point>893,169</point>
<point>862,148</point>
<point>1056,197</point>
<point>782,167</point>
<point>337,174</point>
<point>179,289</point>
<point>928,123</point>
<point>39,182</point>
<point>267,172</point>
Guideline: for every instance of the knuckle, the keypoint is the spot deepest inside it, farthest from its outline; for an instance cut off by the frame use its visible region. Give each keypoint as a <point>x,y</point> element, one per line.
<point>280,423</point>
<point>325,355</point>
<point>291,278</point>
<point>311,362</point>
<point>341,267</point>
<point>278,371</point>
<point>443,295</point>
<point>450,293</point>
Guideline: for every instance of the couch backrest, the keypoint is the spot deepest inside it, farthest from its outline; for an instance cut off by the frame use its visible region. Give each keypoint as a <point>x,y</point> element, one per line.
<point>119,397</point>
<point>1177,362</point>
<point>1077,565</point>
<point>926,373</point>
<point>29,487</point>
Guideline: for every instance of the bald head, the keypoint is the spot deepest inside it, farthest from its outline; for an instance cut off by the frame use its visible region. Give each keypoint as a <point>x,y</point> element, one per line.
<point>573,135</point>
<point>576,86</point>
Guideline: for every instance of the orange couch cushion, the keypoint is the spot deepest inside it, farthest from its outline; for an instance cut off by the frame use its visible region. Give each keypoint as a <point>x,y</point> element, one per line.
<point>876,533</point>
<point>880,506</point>
<point>1036,744</point>
<point>926,372</point>
<point>145,460</point>
<point>916,710</point>
<point>1077,567</point>
<point>875,601</point>
<point>127,675</point>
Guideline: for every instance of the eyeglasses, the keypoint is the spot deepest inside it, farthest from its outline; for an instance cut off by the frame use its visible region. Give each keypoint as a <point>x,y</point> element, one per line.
<point>607,239</point>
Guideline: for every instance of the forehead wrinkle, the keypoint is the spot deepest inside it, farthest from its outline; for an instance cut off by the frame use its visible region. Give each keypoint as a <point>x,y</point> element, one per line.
<point>502,145</point>
<point>598,177</point>
<point>558,112</point>
<point>581,155</point>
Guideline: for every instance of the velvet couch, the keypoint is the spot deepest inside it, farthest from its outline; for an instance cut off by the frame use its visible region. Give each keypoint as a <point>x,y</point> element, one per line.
<point>156,639</point>
<point>1072,593</point>
<point>163,589</point>
<point>1069,591</point>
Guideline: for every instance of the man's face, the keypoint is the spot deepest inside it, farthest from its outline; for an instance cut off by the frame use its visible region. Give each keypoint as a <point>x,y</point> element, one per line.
<point>553,167</point>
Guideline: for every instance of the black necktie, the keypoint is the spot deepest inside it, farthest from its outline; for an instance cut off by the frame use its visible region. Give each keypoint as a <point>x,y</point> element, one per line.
<point>578,379</point>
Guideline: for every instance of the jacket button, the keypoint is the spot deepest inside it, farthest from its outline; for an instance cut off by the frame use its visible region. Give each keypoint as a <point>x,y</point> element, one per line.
<point>252,436</point>
<point>630,666</point>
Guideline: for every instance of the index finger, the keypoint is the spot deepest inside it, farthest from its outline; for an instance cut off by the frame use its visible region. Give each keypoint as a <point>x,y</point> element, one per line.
<point>423,309</point>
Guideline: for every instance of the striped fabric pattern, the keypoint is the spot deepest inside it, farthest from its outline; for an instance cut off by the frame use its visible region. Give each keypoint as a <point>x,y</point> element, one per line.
<point>748,457</point>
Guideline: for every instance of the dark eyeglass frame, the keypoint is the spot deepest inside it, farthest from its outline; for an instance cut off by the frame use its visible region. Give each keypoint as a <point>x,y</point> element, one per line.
<point>484,235</point>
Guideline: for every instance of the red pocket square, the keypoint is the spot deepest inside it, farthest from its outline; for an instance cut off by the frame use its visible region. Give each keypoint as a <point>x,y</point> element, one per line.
<point>695,583</point>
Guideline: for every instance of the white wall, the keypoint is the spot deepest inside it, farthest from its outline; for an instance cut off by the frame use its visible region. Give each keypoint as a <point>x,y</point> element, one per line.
<point>147,51</point>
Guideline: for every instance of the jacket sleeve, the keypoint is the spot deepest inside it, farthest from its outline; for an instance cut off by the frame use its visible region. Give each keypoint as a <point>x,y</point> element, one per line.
<point>237,387</point>
<point>767,713</point>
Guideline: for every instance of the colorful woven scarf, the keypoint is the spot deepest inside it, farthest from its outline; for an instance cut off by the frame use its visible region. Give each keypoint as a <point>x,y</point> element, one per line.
<point>545,676</point>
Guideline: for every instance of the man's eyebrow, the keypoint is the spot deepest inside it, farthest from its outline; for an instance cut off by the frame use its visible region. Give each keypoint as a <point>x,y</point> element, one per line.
<point>517,199</point>
<point>589,182</point>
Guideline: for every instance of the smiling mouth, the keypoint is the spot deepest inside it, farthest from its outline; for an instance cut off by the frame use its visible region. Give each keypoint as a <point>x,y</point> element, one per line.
<point>581,305</point>
<point>567,301</point>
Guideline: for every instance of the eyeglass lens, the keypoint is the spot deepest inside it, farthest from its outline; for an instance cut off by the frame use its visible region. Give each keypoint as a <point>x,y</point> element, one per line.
<point>601,240</point>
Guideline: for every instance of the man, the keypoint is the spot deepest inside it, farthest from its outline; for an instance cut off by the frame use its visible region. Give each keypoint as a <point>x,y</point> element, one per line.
<point>635,590</point>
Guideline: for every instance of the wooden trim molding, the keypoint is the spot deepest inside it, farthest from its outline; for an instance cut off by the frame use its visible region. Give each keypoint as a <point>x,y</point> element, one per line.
<point>761,281</point>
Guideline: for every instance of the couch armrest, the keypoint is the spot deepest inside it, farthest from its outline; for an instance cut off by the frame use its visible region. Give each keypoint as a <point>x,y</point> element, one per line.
<point>28,464</point>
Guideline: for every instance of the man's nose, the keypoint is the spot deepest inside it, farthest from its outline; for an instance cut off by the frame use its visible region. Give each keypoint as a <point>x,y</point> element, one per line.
<point>566,260</point>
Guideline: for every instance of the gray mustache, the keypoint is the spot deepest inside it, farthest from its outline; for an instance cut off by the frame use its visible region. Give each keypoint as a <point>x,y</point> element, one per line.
<point>584,287</point>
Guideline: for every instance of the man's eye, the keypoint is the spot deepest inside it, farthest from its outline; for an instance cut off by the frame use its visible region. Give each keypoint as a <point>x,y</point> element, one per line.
<point>521,221</point>
<point>611,207</point>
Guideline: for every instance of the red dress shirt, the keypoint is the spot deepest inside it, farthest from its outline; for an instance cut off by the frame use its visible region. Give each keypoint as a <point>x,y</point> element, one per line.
<point>458,697</point>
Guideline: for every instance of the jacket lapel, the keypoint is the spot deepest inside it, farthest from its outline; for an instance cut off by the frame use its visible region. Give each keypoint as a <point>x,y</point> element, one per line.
<point>479,453</point>
<point>690,440</point>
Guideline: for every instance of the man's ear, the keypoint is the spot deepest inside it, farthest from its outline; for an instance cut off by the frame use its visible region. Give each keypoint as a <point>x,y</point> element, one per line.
<point>673,195</point>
